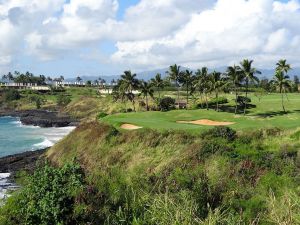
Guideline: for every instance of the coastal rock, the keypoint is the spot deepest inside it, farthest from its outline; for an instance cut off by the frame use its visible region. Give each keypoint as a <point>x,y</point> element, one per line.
<point>23,161</point>
<point>42,118</point>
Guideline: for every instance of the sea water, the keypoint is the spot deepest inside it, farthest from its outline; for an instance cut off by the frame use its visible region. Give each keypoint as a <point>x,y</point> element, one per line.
<point>17,138</point>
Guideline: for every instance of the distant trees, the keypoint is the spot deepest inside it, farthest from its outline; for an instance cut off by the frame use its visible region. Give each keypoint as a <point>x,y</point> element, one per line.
<point>78,79</point>
<point>282,80</point>
<point>234,78</point>
<point>201,84</point>
<point>146,91</point>
<point>217,82</point>
<point>126,85</point>
<point>248,73</point>
<point>186,79</point>
<point>159,83</point>
<point>174,75</point>
<point>27,77</point>
<point>237,79</point>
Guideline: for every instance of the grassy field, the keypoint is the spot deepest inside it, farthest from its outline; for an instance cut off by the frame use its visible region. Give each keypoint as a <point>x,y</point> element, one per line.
<point>267,113</point>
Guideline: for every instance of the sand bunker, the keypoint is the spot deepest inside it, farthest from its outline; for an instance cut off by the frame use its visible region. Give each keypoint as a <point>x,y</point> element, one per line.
<point>207,122</point>
<point>128,126</point>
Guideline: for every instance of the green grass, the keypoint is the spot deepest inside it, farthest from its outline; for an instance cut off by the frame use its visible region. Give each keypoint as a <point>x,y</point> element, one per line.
<point>268,113</point>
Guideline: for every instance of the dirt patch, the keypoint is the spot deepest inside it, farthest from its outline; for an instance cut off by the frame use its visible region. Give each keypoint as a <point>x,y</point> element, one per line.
<point>207,123</point>
<point>128,126</point>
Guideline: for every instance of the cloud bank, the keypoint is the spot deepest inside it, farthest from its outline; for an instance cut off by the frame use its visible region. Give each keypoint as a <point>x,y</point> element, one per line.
<point>152,33</point>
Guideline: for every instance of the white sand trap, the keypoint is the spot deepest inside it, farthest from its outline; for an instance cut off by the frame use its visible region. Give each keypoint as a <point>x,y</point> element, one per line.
<point>128,126</point>
<point>207,123</point>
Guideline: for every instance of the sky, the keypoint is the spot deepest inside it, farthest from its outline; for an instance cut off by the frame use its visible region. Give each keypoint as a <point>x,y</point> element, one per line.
<point>106,37</point>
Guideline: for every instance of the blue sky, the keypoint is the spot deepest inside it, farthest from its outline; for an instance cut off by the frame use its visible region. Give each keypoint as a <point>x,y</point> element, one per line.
<point>105,37</point>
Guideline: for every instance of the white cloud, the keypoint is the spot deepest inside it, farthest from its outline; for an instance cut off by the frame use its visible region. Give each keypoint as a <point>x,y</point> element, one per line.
<point>227,32</point>
<point>152,33</point>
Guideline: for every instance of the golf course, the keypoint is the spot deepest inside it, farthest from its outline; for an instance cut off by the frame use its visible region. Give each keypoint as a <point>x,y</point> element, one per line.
<point>266,114</point>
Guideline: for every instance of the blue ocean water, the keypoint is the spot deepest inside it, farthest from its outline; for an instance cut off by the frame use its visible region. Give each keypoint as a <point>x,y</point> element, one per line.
<point>17,138</point>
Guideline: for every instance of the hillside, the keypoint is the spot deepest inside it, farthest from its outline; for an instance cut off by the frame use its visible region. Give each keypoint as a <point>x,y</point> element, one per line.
<point>216,177</point>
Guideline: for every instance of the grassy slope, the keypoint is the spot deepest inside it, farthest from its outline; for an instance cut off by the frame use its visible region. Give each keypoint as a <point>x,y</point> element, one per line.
<point>148,150</point>
<point>266,114</point>
<point>242,178</point>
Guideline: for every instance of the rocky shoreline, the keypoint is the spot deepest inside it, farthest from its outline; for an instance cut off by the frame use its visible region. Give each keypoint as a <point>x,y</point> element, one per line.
<point>23,161</point>
<point>42,118</point>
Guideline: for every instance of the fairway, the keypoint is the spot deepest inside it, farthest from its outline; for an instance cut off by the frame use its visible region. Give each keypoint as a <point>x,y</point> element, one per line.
<point>267,113</point>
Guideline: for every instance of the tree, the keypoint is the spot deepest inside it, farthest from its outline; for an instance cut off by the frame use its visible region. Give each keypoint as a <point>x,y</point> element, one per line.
<point>201,84</point>
<point>174,75</point>
<point>78,79</point>
<point>282,66</point>
<point>129,83</point>
<point>146,90</point>
<point>282,83</point>
<point>216,83</point>
<point>8,77</point>
<point>159,83</point>
<point>296,84</point>
<point>186,79</point>
<point>234,77</point>
<point>248,73</point>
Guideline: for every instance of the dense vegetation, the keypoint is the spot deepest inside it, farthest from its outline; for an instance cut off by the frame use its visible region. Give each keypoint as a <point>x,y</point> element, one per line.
<point>148,177</point>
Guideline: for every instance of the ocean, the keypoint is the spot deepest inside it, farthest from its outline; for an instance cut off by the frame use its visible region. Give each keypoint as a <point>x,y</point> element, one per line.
<point>17,138</point>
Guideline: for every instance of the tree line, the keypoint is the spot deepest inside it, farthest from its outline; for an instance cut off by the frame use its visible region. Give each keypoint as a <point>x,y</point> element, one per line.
<point>238,79</point>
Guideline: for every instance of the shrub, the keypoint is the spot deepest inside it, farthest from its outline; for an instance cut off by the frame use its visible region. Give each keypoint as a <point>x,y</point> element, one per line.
<point>210,147</point>
<point>222,132</point>
<point>287,151</point>
<point>212,102</point>
<point>273,131</point>
<point>167,104</point>
<point>63,100</point>
<point>50,196</point>
<point>101,115</point>
<point>242,100</point>
<point>37,100</point>
<point>220,100</point>
<point>11,95</point>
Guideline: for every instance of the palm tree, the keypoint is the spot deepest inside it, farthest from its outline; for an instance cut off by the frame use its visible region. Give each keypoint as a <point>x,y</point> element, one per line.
<point>249,75</point>
<point>186,79</point>
<point>282,66</point>
<point>10,76</point>
<point>234,77</point>
<point>159,83</point>
<point>78,79</point>
<point>129,83</point>
<point>146,90</point>
<point>201,84</point>
<point>216,83</point>
<point>282,83</point>
<point>174,75</point>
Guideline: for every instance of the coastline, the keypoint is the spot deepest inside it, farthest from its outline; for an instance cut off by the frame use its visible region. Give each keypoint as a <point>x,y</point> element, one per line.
<point>41,118</point>
<point>22,161</point>
<point>12,164</point>
<point>28,161</point>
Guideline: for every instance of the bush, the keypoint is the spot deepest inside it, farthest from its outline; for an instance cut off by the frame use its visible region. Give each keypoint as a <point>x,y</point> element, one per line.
<point>221,132</point>
<point>102,115</point>
<point>220,100</point>
<point>11,95</point>
<point>167,104</point>
<point>242,100</point>
<point>39,101</point>
<point>213,146</point>
<point>49,197</point>
<point>63,100</point>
